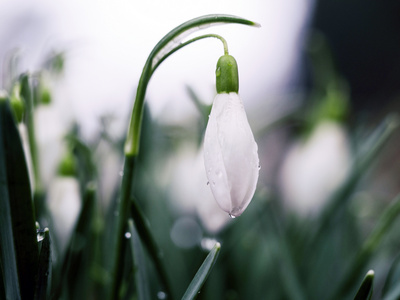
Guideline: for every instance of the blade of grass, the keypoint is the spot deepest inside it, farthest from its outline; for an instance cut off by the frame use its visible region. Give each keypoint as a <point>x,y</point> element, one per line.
<point>7,250</point>
<point>385,222</point>
<point>152,248</point>
<point>26,92</point>
<point>44,271</point>
<point>202,273</point>
<point>391,289</point>
<point>142,285</point>
<point>16,190</point>
<point>74,274</point>
<point>366,288</point>
<point>374,144</point>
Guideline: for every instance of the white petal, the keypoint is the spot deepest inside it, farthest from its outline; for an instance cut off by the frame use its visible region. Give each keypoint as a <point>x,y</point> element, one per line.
<point>230,154</point>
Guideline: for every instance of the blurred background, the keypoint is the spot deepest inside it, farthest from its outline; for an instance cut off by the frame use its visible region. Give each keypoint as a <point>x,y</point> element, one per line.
<point>315,80</point>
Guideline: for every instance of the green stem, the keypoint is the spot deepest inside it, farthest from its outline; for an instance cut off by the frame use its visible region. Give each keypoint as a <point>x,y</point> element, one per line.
<point>131,148</point>
<point>26,92</point>
<point>226,52</point>
<point>126,189</point>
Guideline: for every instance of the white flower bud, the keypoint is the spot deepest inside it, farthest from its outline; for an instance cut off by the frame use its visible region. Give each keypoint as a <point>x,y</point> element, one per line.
<point>230,154</point>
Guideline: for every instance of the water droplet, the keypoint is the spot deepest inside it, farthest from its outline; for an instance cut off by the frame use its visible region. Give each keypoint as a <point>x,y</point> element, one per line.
<point>40,235</point>
<point>208,182</point>
<point>128,235</point>
<point>161,295</point>
<point>218,72</point>
<point>259,167</point>
<point>204,26</point>
<point>208,243</point>
<point>219,173</point>
<point>232,216</point>
<point>37,225</point>
<point>121,173</point>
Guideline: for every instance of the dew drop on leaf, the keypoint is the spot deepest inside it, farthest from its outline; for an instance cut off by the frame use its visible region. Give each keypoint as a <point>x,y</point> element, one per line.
<point>161,295</point>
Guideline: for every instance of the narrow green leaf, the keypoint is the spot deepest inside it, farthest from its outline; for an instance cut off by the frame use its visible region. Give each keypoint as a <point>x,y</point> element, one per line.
<point>44,270</point>
<point>139,264</point>
<point>152,248</point>
<point>366,288</point>
<point>7,250</point>
<point>385,222</point>
<point>16,190</point>
<point>391,289</point>
<point>26,92</point>
<point>393,294</point>
<point>202,273</point>
<point>373,146</point>
<point>74,274</point>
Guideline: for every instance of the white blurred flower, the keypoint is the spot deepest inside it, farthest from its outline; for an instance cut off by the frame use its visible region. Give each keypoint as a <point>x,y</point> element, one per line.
<point>230,154</point>
<point>64,204</point>
<point>315,168</point>
<point>191,193</point>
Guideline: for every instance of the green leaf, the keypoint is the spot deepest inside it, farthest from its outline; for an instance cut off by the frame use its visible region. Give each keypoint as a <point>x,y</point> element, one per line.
<point>18,237</point>
<point>152,248</point>
<point>74,273</point>
<point>139,264</point>
<point>44,271</point>
<point>363,162</point>
<point>366,288</point>
<point>7,249</point>
<point>391,289</point>
<point>384,224</point>
<point>202,273</point>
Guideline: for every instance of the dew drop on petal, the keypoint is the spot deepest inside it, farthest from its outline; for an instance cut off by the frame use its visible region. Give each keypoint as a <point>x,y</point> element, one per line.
<point>208,182</point>
<point>232,216</point>
<point>218,72</point>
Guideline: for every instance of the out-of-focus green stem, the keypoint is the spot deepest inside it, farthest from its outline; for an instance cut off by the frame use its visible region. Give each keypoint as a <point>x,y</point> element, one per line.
<point>122,212</point>
<point>26,91</point>
<point>168,43</point>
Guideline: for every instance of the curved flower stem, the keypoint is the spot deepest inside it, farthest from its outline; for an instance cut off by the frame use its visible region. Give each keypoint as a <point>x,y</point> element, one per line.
<point>226,52</point>
<point>165,47</point>
<point>158,52</point>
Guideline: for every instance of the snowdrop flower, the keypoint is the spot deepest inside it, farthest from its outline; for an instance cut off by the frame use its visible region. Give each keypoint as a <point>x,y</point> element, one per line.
<point>315,168</point>
<point>230,151</point>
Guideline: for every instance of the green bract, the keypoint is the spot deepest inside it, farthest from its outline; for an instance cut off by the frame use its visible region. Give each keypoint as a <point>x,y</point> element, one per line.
<point>227,78</point>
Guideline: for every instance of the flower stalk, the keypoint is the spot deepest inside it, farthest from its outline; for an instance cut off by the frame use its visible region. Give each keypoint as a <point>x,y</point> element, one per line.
<point>165,47</point>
